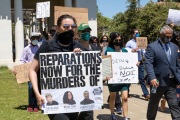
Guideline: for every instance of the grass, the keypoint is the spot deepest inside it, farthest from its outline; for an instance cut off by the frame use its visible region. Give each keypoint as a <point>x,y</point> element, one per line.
<point>14,99</point>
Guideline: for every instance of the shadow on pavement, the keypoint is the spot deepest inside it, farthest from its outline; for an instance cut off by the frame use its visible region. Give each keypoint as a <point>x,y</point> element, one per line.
<point>134,95</point>
<point>107,117</point>
<point>105,106</point>
<point>166,110</point>
<point>22,107</point>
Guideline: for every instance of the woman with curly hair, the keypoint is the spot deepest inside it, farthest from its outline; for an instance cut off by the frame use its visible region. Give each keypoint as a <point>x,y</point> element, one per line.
<point>68,98</point>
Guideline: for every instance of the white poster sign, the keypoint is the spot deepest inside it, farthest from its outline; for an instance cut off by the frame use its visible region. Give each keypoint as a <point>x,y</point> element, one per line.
<point>43,9</point>
<point>71,82</point>
<point>173,17</point>
<point>124,67</point>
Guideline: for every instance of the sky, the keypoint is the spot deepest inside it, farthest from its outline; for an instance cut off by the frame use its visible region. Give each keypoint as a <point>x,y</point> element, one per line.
<point>109,8</point>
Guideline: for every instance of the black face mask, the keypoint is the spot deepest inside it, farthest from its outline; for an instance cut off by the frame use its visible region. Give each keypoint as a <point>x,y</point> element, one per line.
<point>117,43</point>
<point>165,39</point>
<point>66,37</point>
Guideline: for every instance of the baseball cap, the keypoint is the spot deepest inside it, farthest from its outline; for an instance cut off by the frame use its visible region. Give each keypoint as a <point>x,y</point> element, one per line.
<point>83,26</point>
<point>35,34</point>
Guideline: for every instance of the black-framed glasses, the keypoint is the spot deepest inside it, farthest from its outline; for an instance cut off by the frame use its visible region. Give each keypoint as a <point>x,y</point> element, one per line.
<point>67,26</point>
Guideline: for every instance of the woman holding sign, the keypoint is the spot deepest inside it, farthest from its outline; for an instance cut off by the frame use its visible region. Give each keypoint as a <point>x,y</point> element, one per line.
<point>115,45</point>
<point>62,42</point>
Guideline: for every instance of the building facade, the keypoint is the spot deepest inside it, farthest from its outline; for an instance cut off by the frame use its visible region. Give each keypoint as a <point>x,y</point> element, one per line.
<point>18,20</point>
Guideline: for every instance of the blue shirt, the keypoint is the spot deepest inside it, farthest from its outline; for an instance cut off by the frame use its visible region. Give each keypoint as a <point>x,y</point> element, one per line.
<point>133,45</point>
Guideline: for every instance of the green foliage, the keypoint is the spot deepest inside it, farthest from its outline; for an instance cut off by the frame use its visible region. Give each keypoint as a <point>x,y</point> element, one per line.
<point>14,99</point>
<point>148,19</point>
<point>102,22</point>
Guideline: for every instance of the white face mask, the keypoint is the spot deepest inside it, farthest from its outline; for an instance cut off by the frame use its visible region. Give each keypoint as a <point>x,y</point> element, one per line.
<point>34,42</point>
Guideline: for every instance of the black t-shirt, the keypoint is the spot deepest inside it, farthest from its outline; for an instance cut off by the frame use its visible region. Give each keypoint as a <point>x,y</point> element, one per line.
<point>53,103</point>
<point>53,46</point>
<point>93,47</point>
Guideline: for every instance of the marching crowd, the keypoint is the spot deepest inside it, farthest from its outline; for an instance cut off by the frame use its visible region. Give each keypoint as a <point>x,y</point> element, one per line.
<point>160,60</point>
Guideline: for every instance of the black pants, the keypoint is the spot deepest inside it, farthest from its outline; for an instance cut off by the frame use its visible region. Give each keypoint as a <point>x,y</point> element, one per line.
<point>63,116</point>
<point>170,95</point>
<point>86,115</point>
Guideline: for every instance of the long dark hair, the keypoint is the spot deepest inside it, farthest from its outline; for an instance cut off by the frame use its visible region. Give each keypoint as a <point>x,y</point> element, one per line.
<point>65,16</point>
<point>92,39</point>
<point>112,37</point>
<point>65,97</point>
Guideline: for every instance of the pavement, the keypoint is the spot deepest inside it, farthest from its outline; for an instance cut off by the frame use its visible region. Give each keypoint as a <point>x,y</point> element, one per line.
<point>137,107</point>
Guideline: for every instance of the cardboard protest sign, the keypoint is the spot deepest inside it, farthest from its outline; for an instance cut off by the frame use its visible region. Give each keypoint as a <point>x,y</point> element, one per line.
<point>107,66</point>
<point>73,82</point>
<point>81,14</point>
<point>173,17</point>
<point>141,42</point>
<point>22,72</point>
<point>43,9</point>
<point>124,67</point>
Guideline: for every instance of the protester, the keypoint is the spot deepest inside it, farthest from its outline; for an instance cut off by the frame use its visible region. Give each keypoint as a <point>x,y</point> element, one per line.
<point>133,46</point>
<point>115,45</point>
<point>104,43</point>
<point>94,40</point>
<point>163,69</point>
<point>50,100</point>
<point>84,33</point>
<point>27,56</point>
<point>68,98</point>
<point>175,40</point>
<point>62,42</point>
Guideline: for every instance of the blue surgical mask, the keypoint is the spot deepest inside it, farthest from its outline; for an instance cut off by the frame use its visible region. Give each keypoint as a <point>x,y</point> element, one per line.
<point>85,36</point>
<point>137,35</point>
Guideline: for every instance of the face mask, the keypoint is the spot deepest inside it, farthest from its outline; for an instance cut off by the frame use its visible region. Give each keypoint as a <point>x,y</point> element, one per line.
<point>34,42</point>
<point>66,37</point>
<point>104,40</point>
<point>166,40</point>
<point>117,43</point>
<point>137,35</point>
<point>85,36</point>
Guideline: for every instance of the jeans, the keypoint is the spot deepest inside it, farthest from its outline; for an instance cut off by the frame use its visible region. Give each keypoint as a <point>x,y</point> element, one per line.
<point>31,96</point>
<point>141,79</point>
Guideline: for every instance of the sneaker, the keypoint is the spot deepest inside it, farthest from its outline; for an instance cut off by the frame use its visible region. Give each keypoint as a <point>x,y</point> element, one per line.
<point>113,117</point>
<point>119,111</point>
<point>35,109</point>
<point>126,118</point>
<point>30,108</point>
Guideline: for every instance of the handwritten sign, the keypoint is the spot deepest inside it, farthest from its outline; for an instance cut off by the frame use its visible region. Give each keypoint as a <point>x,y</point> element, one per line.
<point>22,72</point>
<point>43,9</point>
<point>173,17</point>
<point>107,66</point>
<point>141,42</point>
<point>124,67</point>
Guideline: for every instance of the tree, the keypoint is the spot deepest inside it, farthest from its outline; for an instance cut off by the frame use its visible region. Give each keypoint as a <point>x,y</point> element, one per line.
<point>102,23</point>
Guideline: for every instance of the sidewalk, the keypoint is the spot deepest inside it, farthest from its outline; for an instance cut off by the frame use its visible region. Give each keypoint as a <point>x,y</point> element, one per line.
<point>137,106</point>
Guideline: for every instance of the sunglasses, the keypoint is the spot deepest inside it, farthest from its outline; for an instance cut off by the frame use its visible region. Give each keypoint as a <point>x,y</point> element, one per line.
<point>117,40</point>
<point>86,30</point>
<point>67,26</point>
